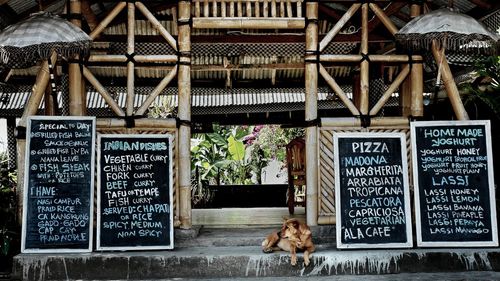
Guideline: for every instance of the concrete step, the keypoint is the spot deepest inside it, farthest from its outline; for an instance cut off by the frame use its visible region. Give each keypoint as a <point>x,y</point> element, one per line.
<point>246,261</point>
<point>229,253</point>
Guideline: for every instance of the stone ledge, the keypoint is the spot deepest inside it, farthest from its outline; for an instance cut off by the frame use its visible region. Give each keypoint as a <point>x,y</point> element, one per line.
<point>217,262</point>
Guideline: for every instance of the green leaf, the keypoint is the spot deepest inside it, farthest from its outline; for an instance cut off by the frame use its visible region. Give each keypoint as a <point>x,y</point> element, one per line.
<point>236,149</point>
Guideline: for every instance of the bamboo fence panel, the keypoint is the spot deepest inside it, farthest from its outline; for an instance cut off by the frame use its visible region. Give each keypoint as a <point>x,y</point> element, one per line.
<point>247,8</point>
<point>326,200</point>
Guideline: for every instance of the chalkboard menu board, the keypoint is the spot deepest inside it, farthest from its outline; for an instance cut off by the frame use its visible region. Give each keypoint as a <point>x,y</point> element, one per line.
<point>135,210</point>
<point>58,184</point>
<point>453,178</point>
<point>371,190</point>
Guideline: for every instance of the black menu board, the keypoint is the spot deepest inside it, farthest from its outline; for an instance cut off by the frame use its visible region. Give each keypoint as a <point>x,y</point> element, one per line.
<point>135,182</point>
<point>58,184</point>
<point>454,189</point>
<point>371,190</point>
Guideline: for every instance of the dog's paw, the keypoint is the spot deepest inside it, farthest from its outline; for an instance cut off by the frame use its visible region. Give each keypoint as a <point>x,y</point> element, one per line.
<point>267,250</point>
<point>294,261</point>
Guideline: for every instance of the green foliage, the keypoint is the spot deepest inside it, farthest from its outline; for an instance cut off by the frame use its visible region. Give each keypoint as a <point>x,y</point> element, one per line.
<point>8,224</point>
<point>485,89</point>
<point>166,108</point>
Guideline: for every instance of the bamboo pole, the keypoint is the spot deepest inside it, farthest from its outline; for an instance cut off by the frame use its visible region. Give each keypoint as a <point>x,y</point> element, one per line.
<point>152,123</point>
<point>372,58</point>
<point>417,76</point>
<point>21,163</point>
<point>103,92</point>
<point>104,23</point>
<point>49,102</point>
<point>386,21</point>
<point>365,66</point>
<point>417,89</point>
<point>130,64</point>
<point>249,23</point>
<point>77,103</point>
<point>152,96</point>
<point>449,82</point>
<point>156,58</point>
<point>338,91</point>
<point>184,107</point>
<point>327,220</point>
<point>392,88</point>
<point>107,58</point>
<point>38,90</point>
<point>338,26</point>
<point>157,25</point>
<point>311,113</point>
<point>356,122</point>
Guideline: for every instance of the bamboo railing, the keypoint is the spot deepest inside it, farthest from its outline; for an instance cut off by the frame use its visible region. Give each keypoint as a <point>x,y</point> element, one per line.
<point>255,14</point>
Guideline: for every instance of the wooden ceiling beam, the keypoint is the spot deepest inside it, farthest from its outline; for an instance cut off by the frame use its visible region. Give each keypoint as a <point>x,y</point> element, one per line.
<point>390,10</point>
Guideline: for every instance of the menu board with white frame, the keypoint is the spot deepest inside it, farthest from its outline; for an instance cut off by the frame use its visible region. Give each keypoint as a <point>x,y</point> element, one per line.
<point>135,192</point>
<point>58,185</point>
<point>454,184</point>
<point>371,190</point>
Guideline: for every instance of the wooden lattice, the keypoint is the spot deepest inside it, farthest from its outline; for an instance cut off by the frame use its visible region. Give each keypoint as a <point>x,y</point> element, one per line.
<point>326,209</point>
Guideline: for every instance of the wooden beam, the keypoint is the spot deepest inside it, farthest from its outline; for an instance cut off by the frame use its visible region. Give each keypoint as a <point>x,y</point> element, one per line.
<point>250,23</point>
<point>157,91</point>
<point>103,92</point>
<point>384,18</point>
<point>338,91</point>
<point>338,26</point>
<point>449,82</point>
<point>392,88</point>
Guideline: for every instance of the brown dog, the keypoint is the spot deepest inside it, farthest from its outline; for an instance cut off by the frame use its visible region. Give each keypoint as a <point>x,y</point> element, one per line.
<point>293,235</point>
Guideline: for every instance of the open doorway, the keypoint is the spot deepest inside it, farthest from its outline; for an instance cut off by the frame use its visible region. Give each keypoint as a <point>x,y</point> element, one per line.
<point>239,175</point>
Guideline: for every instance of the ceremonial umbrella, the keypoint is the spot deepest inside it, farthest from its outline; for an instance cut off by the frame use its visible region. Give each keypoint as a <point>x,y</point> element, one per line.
<point>446,29</point>
<point>449,29</point>
<point>25,43</point>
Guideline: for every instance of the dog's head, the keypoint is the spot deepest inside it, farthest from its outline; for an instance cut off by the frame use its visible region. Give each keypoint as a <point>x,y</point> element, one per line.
<point>290,228</point>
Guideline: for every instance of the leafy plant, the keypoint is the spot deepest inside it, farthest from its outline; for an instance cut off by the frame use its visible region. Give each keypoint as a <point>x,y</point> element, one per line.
<point>9,230</point>
<point>485,89</point>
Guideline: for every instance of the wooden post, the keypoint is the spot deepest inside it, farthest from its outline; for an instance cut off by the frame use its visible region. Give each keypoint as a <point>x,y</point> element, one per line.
<point>411,97</point>
<point>417,89</point>
<point>42,80</point>
<point>184,139</point>
<point>21,162</point>
<point>449,83</point>
<point>311,112</point>
<point>364,67</point>
<point>77,102</point>
<point>130,63</point>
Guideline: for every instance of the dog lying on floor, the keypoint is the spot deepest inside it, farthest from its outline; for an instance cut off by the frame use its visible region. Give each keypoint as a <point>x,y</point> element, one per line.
<point>294,235</point>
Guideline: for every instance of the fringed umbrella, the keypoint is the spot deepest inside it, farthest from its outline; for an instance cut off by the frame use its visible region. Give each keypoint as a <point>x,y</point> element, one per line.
<point>445,29</point>
<point>25,43</point>
<point>455,31</point>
